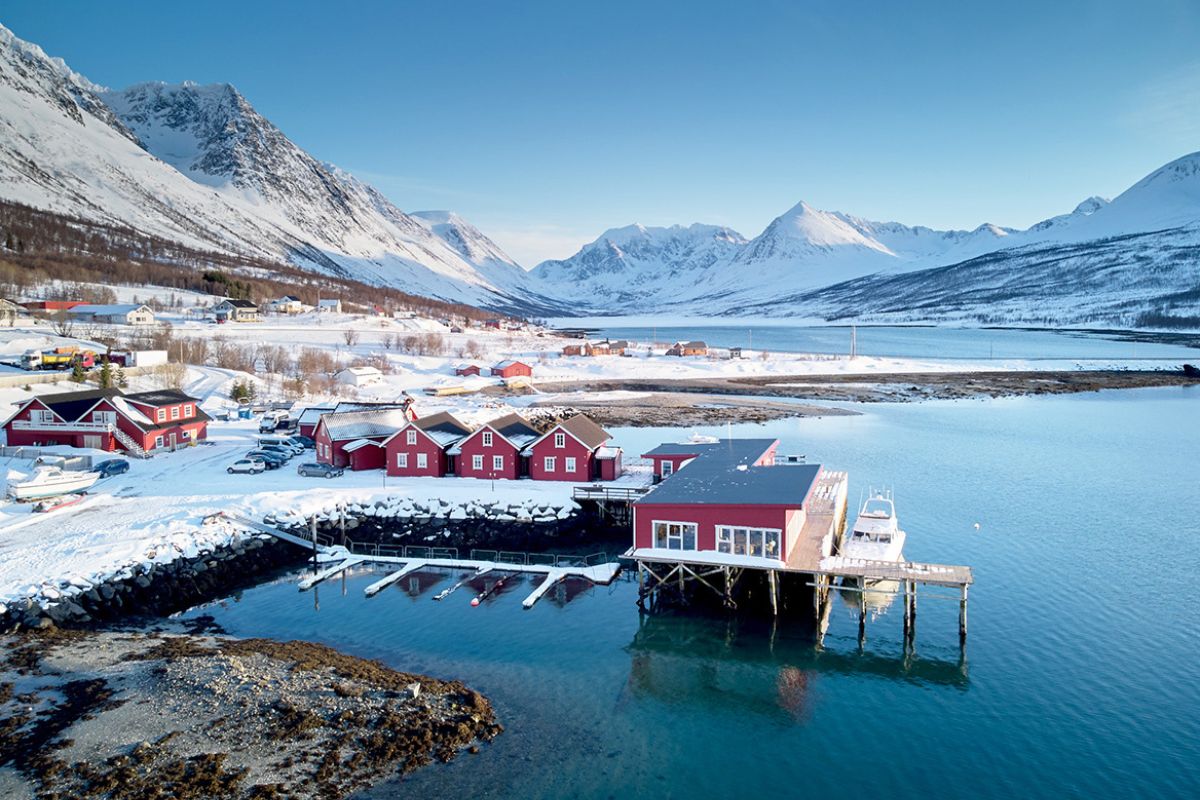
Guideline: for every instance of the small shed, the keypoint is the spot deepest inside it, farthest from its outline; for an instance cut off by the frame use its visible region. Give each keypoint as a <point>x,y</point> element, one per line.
<point>608,463</point>
<point>512,369</point>
<point>364,454</point>
<point>359,376</point>
<point>330,306</point>
<point>467,369</point>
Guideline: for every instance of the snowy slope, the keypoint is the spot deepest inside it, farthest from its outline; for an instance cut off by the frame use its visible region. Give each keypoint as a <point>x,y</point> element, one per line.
<point>197,164</point>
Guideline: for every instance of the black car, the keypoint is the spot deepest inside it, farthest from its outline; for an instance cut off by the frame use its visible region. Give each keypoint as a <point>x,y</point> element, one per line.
<point>278,450</point>
<point>304,441</point>
<point>113,466</point>
<point>272,460</point>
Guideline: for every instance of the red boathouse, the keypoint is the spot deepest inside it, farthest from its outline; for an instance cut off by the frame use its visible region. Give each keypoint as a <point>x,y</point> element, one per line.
<point>338,433</point>
<point>494,450</point>
<point>420,447</point>
<point>570,452</point>
<point>512,369</point>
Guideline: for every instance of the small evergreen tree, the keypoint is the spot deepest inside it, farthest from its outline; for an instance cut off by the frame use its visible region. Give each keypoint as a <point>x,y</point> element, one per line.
<point>106,375</point>
<point>77,374</point>
<point>119,378</point>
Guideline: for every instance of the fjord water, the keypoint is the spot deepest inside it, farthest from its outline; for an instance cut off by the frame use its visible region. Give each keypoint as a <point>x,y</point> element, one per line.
<point>899,341</point>
<point>1081,675</point>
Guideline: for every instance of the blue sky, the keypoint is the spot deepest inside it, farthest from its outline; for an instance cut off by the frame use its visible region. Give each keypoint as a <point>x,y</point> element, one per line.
<point>546,123</point>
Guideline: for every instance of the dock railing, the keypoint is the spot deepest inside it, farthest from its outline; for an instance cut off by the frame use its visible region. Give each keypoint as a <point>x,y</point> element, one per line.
<point>607,493</point>
<point>418,552</point>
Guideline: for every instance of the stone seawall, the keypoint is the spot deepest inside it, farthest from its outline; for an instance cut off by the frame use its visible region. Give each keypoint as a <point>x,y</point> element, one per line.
<point>158,589</point>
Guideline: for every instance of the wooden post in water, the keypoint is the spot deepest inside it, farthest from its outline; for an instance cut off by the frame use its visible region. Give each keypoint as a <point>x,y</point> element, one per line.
<point>862,611</point>
<point>774,582</point>
<point>641,601</point>
<point>962,616</point>
<point>342,521</point>
<point>313,533</point>
<point>907,616</point>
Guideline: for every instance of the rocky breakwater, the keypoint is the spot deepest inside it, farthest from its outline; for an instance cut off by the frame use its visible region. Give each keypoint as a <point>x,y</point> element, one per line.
<point>151,588</point>
<point>525,525</point>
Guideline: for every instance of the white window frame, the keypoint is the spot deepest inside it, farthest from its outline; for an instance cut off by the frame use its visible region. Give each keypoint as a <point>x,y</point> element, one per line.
<point>487,438</point>
<point>401,460</point>
<point>497,463</point>
<point>675,534</point>
<point>160,415</point>
<point>174,412</point>
<point>422,461</point>
<point>666,469</point>
<point>104,417</point>
<point>549,463</point>
<point>41,415</point>
<point>560,440</point>
<point>569,464</point>
<point>410,436</point>
<point>477,463</point>
<point>158,442</point>
<point>752,539</point>
<point>189,411</point>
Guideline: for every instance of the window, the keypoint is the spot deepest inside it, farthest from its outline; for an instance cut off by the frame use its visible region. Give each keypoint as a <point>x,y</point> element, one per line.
<point>174,412</point>
<point>158,441</point>
<point>189,410</point>
<point>497,463</point>
<point>549,463</point>
<point>760,542</point>
<point>422,461</point>
<point>410,436</point>
<point>402,460</point>
<point>42,415</point>
<point>477,463</point>
<point>667,468</point>
<point>161,415</point>
<point>570,465</point>
<point>560,440</point>
<point>487,438</point>
<point>104,417</point>
<point>675,535</point>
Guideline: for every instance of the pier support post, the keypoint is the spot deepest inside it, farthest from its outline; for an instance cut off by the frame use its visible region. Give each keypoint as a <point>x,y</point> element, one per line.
<point>313,533</point>
<point>773,580</point>
<point>962,616</point>
<point>862,612</point>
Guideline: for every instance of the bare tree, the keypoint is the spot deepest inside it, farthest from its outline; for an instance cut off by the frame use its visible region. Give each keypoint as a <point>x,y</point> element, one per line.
<point>350,337</point>
<point>171,375</point>
<point>389,341</point>
<point>62,324</point>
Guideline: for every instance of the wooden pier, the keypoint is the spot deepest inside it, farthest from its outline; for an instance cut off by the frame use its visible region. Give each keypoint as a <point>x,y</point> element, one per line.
<point>405,560</point>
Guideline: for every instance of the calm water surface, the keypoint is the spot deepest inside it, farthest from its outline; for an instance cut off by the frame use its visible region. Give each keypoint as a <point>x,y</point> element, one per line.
<point>1081,677</point>
<point>913,342</point>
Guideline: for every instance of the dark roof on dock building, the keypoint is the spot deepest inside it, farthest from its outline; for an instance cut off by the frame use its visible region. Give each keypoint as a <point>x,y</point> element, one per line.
<point>723,473</point>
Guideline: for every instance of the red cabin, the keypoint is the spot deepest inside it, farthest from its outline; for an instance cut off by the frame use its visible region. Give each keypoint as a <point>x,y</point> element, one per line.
<point>467,369</point>
<point>494,450</point>
<point>731,498</point>
<point>420,447</point>
<point>109,419</point>
<point>568,452</point>
<point>337,430</point>
<point>512,369</point>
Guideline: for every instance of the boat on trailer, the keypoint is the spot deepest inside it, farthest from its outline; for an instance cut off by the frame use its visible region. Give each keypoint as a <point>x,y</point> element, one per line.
<point>876,535</point>
<point>52,482</point>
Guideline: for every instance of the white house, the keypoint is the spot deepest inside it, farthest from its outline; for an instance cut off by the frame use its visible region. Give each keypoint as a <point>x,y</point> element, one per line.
<point>288,304</point>
<point>236,310</point>
<point>359,376</point>
<point>117,314</point>
<point>333,305</point>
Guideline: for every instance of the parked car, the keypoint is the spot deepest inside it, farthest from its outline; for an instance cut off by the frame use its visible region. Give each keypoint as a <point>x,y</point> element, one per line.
<point>304,441</point>
<point>252,466</point>
<point>280,441</point>
<point>312,470</point>
<point>272,460</point>
<point>279,450</point>
<point>113,466</point>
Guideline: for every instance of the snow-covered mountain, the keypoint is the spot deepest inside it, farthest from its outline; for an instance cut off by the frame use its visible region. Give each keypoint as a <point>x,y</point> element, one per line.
<point>627,266</point>
<point>809,262</point>
<point>198,165</point>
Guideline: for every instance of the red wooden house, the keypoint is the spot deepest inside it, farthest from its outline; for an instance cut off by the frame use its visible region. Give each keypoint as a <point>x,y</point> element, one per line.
<point>570,451</point>
<point>467,369</point>
<point>420,447</point>
<point>512,369</point>
<point>494,450</point>
<point>339,432</point>
<point>109,419</point>
<point>731,499</point>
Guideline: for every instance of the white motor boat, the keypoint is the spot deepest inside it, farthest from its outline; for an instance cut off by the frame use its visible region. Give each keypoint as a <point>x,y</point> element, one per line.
<point>52,482</point>
<point>876,534</point>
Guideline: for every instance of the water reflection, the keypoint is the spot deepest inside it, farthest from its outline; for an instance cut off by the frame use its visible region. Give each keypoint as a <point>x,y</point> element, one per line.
<point>757,667</point>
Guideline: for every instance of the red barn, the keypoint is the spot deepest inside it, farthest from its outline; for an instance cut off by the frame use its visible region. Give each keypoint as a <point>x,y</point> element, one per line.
<point>731,498</point>
<point>568,451</point>
<point>494,450</point>
<point>420,447</point>
<point>467,369</point>
<point>512,369</point>
<point>306,423</point>
<point>108,419</point>
<point>52,305</point>
<point>338,429</point>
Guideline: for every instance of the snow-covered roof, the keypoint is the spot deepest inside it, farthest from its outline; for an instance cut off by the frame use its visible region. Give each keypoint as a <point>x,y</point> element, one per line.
<point>608,452</point>
<point>108,310</point>
<point>369,424</point>
<point>509,363</point>
<point>359,444</point>
<point>363,372</point>
<point>334,303</point>
<point>312,414</point>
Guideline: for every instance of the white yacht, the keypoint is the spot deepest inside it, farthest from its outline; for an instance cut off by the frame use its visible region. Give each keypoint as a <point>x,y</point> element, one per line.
<point>51,482</point>
<point>876,535</point>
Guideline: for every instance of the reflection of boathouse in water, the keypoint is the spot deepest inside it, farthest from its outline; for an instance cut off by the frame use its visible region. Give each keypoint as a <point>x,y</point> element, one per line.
<point>747,667</point>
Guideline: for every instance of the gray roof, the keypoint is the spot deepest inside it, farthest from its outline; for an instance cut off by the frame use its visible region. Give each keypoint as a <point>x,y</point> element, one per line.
<point>106,310</point>
<point>722,474</point>
<point>443,427</point>
<point>369,424</point>
<point>312,414</point>
<point>515,429</point>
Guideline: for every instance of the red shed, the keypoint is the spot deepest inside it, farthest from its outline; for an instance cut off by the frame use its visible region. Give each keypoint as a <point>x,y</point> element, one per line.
<point>467,369</point>
<point>420,447</point>
<point>364,454</point>
<point>109,419</point>
<point>494,450</point>
<point>337,429</point>
<point>567,452</point>
<point>512,369</point>
<point>728,499</point>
